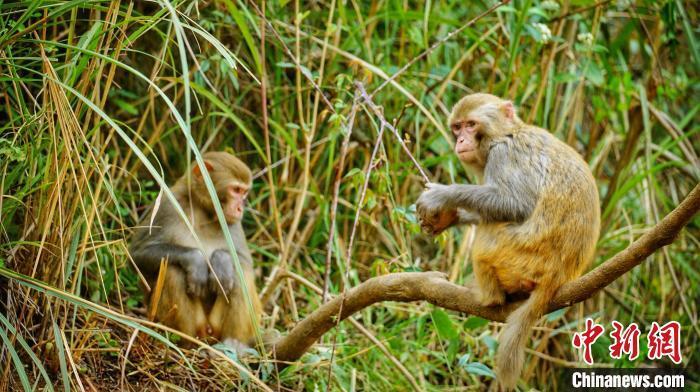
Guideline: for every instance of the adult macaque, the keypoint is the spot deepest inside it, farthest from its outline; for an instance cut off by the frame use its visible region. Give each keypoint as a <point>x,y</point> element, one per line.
<point>537,212</point>
<point>192,301</point>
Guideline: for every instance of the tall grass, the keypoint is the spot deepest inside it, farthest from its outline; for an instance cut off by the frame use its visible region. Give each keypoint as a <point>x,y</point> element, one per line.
<point>103,103</point>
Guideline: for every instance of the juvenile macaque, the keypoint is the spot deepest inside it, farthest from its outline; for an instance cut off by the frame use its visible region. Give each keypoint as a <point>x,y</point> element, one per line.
<point>537,212</point>
<point>192,301</point>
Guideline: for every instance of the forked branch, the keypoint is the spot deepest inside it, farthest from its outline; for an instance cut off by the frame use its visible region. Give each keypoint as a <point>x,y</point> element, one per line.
<point>434,288</point>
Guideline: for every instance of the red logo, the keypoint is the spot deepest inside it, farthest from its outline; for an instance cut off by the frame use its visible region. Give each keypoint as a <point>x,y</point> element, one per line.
<point>665,341</point>
<point>586,338</point>
<point>625,340</point>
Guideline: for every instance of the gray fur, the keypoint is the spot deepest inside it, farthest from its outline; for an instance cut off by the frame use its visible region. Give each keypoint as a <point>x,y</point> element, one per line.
<point>165,240</point>
<point>468,217</point>
<point>512,183</point>
<point>222,264</point>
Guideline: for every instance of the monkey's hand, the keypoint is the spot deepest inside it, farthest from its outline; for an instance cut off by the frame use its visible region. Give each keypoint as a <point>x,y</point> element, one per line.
<point>434,217</point>
<point>197,272</point>
<point>222,264</point>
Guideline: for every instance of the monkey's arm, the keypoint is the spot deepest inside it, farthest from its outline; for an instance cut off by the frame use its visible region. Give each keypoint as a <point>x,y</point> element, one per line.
<point>148,256</point>
<point>512,185</point>
<point>222,262</point>
<point>191,260</point>
<point>488,201</point>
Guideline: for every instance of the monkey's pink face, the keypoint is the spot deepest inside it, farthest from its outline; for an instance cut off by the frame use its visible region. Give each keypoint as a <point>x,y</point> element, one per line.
<point>236,195</point>
<point>467,135</point>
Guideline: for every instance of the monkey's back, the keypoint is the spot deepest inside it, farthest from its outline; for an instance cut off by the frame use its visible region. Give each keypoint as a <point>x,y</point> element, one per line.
<point>557,241</point>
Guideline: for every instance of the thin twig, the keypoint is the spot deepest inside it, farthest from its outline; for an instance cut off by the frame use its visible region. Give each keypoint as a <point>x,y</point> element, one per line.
<point>436,45</point>
<point>336,193</point>
<point>286,159</point>
<point>384,123</point>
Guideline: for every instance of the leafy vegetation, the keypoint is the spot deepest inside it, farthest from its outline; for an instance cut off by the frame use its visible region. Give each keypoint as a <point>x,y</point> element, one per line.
<point>103,102</point>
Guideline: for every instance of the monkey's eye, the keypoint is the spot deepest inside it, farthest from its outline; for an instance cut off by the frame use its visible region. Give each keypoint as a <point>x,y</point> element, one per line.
<point>239,190</point>
<point>471,124</point>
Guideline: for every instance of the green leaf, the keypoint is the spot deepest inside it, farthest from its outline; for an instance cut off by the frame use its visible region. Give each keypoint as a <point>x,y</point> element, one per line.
<point>311,359</point>
<point>555,315</point>
<point>594,74</point>
<point>565,78</point>
<point>10,152</point>
<point>598,48</point>
<point>354,171</point>
<point>490,342</point>
<point>475,322</point>
<point>61,351</point>
<point>19,366</point>
<point>407,213</point>
<point>5,324</point>
<point>479,369</point>
<point>125,106</point>
<point>463,360</point>
<point>444,325</point>
<point>284,64</point>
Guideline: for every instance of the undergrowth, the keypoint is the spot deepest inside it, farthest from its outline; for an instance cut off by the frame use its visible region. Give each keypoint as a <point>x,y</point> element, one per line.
<point>99,98</point>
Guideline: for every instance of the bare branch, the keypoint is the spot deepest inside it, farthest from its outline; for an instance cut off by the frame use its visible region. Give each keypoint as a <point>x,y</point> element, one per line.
<point>434,288</point>
<point>384,123</point>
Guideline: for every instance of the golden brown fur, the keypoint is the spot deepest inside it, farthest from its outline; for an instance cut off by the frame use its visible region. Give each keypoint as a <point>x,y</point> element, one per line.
<point>537,213</point>
<point>192,300</point>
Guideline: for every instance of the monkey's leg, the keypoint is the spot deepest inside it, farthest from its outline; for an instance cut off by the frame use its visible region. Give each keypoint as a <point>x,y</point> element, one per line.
<point>232,321</point>
<point>490,291</point>
<point>178,310</point>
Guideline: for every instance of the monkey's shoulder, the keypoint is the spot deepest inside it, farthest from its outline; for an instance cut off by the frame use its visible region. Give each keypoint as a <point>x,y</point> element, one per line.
<point>160,216</point>
<point>210,236</point>
<point>561,159</point>
<point>163,221</point>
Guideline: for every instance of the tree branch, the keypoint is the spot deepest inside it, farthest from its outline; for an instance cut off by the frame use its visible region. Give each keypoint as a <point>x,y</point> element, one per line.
<point>433,287</point>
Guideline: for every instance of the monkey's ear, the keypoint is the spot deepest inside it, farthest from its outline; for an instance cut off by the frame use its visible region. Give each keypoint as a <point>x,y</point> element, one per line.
<point>508,110</point>
<point>197,172</point>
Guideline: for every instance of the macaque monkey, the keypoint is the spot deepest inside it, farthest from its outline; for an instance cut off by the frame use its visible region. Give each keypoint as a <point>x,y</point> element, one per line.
<point>191,300</point>
<point>537,215</point>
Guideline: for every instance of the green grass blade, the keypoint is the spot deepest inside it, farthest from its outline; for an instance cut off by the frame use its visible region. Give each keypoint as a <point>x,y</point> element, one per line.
<point>28,350</point>
<point>61,350</point>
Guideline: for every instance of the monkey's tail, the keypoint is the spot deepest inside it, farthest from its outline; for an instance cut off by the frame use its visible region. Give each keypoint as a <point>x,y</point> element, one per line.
<point>511,343</point>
